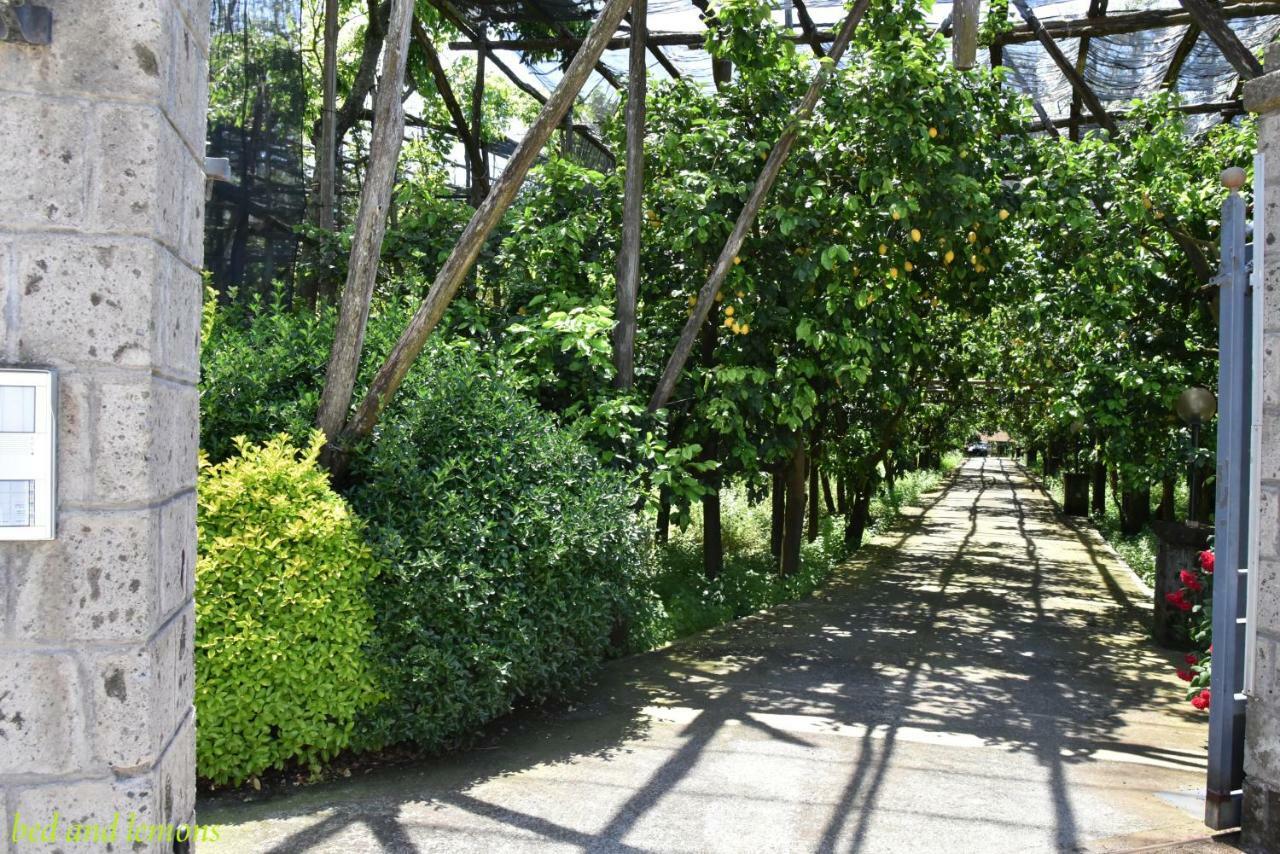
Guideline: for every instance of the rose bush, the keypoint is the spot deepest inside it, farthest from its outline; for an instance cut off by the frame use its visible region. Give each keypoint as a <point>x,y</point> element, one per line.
<point>1195,599</point>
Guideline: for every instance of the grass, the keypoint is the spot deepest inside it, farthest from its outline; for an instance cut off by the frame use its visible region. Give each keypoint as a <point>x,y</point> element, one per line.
<point>750,580</point>
<point>1139,551</point>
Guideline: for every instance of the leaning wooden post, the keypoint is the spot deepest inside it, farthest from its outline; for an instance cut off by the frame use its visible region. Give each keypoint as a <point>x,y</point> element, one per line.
<point>479,166</point>
<point>371,226</point>
<point>965,16</point>
<point>467,249</point>
<point>768,175</point>
<point>628,283</point>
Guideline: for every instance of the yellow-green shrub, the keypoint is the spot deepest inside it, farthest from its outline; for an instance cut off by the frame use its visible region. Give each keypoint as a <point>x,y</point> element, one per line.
<point>281,614</point>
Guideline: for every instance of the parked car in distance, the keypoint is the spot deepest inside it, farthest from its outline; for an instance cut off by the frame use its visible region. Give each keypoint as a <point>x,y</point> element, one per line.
<point>977,449</point>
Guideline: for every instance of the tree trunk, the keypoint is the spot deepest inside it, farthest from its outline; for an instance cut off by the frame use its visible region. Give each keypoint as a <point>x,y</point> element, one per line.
<point>371,224</point>
<point>842,495</point>
<point>856,522</point>
<point>712,542</point>
<point>778,518</point>
<point>826,494</point>
<point>1168,499</point>
<point>815,504</point>
<point>628,279</point>
<point>793,531</point>
<point>664,516</point>
<point>1098,504</point>
<point>1135,510</point>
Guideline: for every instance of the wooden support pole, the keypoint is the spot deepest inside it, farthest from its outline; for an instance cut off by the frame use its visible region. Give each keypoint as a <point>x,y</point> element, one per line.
<point>1209,18</point>
<point>463,130</point>
<point>764,183</point>
<point>371,226</point>
<point>467,249</point>
<point>480,161</point>
<point>628,279</point>
<point>965,19</point>
<point>811,31</point>
<point>1180,54</point>
<point>663,60</point>
<point>326,154</point>
<point>1075,79</point>
<point>1082,58</point>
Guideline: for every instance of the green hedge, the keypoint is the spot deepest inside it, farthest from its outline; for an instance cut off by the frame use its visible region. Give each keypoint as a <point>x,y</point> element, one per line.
<point>513,557</point>
<point>282,617</point>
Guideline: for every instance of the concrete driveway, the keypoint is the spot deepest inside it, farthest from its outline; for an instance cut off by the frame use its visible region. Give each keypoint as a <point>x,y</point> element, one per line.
<point>977,680</point>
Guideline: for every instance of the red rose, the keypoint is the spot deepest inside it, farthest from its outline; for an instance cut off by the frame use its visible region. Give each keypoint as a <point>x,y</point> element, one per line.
<point>1187,578</point>
<point>1200,703</point>
<point>1184,675</point>
<point>1192,659</point>
<point>1206,561</point>
<point>1184,605</point>
<point>1174,598</point>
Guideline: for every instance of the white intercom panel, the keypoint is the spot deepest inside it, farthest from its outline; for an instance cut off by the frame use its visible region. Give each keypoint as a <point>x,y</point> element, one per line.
<point>28,399</point>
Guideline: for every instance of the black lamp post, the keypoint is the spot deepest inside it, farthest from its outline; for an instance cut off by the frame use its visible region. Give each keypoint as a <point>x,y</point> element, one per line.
<point>1195,406</point>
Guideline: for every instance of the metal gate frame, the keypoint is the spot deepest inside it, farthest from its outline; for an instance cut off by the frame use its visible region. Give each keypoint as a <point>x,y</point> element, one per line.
<point>1236,516</point>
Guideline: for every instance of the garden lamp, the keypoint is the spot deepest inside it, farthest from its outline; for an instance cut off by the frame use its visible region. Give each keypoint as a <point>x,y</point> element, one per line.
<point>1195,406</point>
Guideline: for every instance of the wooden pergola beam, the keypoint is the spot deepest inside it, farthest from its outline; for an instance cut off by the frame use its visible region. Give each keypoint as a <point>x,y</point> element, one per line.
<point>627,284</point>
<point>1082,59</point>
<point>1111,25</point>
<point>563,31</point>
<point>1076,80</point>
<point>1227,108</point>
<point>663,60</point>
<point>453,16</point>
<point>1209,18</point>
<point>807,26</point>
<point>1180,54</point>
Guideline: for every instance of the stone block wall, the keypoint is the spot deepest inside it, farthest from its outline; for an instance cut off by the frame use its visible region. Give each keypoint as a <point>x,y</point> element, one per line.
<point>1262,739</point>
<point>101,229</point>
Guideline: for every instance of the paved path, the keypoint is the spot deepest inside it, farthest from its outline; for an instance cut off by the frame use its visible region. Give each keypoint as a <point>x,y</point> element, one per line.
<point>975,681</point>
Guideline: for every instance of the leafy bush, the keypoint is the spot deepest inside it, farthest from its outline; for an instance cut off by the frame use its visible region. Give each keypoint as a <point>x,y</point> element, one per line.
<point>262,366</point>
<point>513,556</point>
<point>282,616</point>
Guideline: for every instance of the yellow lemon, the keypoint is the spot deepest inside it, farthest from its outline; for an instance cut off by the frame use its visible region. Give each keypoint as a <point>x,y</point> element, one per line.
<point>915,235</point>
<point>973,259</point>
<point>973,237</point>
<point>728,312</point>
<point>893,272</point>
<point>933,133</point>
<point>1004,214</point>
<point>986,250</point>
<point>908,266</point>
<point>883,249</point>
<point>746,327</point>
<point>737,260</point>
<point>896,216</point>
<point>740,294</point>
<point>719,297</point>
<point>949,257</point>
<point>728,321</point>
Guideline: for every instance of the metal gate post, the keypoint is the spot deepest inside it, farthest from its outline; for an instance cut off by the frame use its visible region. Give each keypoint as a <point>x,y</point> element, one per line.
<point>1231,521</point>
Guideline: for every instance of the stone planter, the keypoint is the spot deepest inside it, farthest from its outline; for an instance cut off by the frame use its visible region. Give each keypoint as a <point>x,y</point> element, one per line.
<point>1180,545</point>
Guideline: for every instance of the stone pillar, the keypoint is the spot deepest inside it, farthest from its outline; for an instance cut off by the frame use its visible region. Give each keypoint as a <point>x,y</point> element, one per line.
<point>101,228</point>
<point>1262,728</point>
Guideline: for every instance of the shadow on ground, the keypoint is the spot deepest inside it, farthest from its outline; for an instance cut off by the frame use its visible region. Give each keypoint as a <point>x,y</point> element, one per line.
<point>978,679</point>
